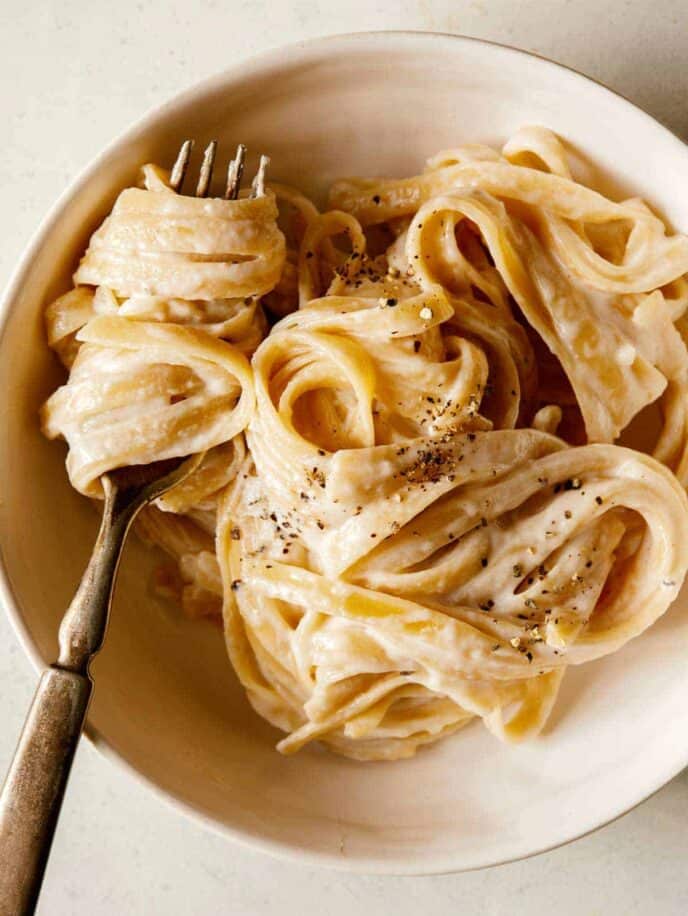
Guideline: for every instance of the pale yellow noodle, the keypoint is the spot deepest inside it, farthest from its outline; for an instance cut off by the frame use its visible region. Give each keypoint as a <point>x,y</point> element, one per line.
<point>413,511</point>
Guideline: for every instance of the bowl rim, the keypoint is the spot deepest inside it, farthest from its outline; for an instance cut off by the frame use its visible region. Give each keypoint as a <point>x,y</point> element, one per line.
<point>254,64</point>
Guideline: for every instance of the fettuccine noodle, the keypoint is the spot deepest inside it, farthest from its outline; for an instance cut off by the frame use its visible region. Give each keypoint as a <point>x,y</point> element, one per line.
<point>414,509</point>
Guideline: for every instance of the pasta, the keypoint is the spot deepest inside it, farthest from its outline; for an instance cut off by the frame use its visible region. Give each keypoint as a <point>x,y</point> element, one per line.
<point>418,504</point>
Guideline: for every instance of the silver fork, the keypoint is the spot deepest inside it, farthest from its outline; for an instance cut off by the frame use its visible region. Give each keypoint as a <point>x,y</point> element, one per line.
<point>32,795</point>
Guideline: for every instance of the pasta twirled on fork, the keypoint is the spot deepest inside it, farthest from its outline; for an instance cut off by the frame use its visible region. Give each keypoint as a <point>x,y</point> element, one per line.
<point>157,339</point>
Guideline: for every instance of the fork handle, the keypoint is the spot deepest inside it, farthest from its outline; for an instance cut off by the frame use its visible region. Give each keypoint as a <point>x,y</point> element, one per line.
<point>32,794</point>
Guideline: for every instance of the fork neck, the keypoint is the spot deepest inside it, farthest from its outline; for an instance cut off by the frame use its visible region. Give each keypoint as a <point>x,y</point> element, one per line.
<point>84,625</point>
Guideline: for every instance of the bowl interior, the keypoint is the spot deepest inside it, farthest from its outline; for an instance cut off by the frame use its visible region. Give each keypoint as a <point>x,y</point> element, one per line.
<point>166,700</point>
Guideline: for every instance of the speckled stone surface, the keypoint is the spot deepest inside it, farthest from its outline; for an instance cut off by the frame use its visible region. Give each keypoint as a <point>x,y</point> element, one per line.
<point>73,74</point>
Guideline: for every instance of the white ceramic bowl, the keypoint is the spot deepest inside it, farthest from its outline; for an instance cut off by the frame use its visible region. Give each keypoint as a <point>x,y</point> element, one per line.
<point>166,701</point>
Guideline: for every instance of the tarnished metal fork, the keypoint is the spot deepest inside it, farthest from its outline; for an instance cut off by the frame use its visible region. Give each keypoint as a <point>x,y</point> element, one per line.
<point>32,795</point>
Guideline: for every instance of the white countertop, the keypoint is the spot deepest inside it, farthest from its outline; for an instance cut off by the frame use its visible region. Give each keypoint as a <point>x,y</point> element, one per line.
<point>74,73</point>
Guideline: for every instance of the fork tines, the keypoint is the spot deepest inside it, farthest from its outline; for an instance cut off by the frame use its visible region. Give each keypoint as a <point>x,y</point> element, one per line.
<point>235,171</point>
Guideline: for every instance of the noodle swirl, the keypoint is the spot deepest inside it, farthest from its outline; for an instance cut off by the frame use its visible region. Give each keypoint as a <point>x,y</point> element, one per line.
<point>414,509</point>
